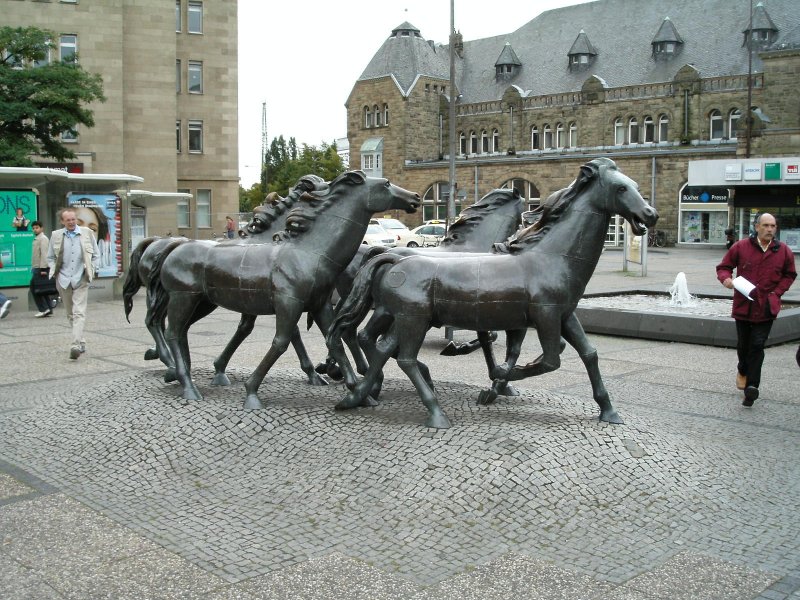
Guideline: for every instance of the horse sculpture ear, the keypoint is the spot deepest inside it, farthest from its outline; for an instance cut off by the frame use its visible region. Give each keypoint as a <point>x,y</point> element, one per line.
<point>588,171</point>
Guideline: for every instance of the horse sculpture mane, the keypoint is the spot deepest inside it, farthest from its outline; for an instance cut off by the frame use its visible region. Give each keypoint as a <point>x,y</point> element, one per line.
<point>312,203</point>
<point>473,215</point>
<point>275,205</point>
<point>554,207</point>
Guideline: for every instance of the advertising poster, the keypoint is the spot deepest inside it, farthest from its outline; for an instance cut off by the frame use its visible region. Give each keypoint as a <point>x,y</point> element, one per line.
<point>18,209</point>
<point>101,214</point>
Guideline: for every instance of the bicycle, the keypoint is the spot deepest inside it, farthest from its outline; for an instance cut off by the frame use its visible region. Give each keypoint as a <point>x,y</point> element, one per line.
<point>656,238</point>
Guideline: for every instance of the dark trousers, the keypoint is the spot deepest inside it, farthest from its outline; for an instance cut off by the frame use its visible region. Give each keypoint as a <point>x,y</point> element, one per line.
<point>42,302</point>
<point>750,340</point>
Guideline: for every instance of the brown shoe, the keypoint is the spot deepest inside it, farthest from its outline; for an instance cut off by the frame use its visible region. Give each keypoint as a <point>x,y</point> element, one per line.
<point>741,381</point>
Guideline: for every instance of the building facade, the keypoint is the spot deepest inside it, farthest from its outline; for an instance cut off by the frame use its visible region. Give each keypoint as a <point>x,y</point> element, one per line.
<point>171,115</point>
<point>653,86</point>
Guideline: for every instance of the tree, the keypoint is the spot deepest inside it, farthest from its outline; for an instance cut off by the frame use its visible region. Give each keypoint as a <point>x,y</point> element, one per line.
<point>39,99</point>
<point>285,165</point>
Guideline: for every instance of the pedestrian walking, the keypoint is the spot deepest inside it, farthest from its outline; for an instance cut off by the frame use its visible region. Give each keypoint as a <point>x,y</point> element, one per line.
<point>765,263</point>
<point>5,303</point>
<point>73,259</point>
<point>40,271</point>
<point>230,228</point>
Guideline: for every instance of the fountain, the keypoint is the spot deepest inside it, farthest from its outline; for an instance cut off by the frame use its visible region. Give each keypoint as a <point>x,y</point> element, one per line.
<point>676,316</point>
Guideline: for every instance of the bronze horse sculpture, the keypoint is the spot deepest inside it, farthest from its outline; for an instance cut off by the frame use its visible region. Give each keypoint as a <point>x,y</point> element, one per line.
<point>268,219</point>
<point>293,274</point>
<point>492,219</point>
<point>535,280</point>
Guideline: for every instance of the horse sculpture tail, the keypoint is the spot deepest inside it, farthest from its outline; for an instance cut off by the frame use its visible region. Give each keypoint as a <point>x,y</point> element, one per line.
<point>352,310</point>
<point>159,298</point>
<point>132,280</point>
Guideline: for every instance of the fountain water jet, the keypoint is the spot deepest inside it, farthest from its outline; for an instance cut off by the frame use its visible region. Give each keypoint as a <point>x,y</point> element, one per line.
<point>679,292</point>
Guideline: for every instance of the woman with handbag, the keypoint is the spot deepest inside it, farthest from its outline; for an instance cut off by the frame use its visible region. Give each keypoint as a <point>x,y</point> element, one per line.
<point>42,287</point>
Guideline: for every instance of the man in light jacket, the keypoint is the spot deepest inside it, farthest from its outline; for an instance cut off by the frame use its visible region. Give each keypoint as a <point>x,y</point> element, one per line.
<point>73,259</point>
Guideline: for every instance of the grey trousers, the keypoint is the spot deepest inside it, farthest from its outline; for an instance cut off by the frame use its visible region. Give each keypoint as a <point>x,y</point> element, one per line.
<point>75,300</point>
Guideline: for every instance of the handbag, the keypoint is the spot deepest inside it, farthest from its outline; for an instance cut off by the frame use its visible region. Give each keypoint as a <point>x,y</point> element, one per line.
<point>42,285</point>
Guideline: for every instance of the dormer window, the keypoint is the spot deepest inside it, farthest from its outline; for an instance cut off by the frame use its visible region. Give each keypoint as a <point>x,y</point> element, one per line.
<point>582,53</point>
<point>667,41</point>
<point>507,64</point>
<point>760,31</point>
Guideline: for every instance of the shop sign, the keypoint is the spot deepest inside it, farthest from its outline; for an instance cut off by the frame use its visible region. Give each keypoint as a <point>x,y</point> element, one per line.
<point>733,172</point>
<point>752,171</point>
<point>705,194</point>
<point>67,167</point>
<point>792,170</point>
<point>772,171</point>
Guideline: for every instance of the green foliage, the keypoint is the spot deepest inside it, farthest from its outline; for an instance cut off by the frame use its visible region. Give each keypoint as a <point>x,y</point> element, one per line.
<point>248,199</point>
<point>285,164</point>
<point>39,103</point>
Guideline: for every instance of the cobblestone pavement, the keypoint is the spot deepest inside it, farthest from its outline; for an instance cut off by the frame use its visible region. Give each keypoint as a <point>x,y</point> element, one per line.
<point>111,486</point>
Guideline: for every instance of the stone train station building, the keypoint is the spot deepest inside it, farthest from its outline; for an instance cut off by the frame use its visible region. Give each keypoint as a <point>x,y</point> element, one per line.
<point>661,88</point>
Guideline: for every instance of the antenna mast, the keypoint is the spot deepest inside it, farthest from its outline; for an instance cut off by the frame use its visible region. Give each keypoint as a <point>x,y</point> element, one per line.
<point>264,148</point>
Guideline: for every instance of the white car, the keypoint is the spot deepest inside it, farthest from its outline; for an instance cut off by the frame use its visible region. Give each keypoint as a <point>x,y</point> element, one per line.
<point>393,226</point>
<point>425,235</point>
<point>378,236</point>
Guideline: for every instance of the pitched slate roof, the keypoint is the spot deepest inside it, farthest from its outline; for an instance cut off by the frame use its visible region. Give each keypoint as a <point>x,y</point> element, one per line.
<point>623,32</point>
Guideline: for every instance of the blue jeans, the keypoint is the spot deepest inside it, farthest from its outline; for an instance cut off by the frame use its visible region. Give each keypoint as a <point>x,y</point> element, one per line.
<point>750,340</point>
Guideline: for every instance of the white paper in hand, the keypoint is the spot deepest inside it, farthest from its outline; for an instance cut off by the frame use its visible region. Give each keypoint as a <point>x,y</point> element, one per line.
<point>744,287</point>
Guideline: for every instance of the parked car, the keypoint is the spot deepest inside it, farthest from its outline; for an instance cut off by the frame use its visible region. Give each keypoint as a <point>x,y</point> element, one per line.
<point>393,226</point>
<point>425,235</point>
<point>378,236</point>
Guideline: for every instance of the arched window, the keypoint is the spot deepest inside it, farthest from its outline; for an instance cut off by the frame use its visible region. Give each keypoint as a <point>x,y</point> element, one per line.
<point>534,138</point>
<point>633,131</point>
<point>529,192</point>
<point>367,117</point>
<point>473,142</point>
<point>462,143</point>
<point>377,113</point>
<point>715,126</point>
<point>434,201</point>
<point>733,122</point>
<point>649,130</point>
<point>385,114</point>
<point>663,128</point>
<point>573,135</point>
<point>559,135</point>
<point>548,137</point>
<point>495,141</point>
<point>619,132</point>
<point>484,142</point>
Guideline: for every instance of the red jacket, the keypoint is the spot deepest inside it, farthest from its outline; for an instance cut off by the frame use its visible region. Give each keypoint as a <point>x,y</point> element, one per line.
<point>772,272</point>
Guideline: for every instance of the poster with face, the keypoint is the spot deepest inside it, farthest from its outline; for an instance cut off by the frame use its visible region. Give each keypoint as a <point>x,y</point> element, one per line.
<point>101,214</point>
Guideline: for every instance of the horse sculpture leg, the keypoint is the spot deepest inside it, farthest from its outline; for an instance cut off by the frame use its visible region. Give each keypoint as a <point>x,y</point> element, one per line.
<point>180,311</point>
<point>548,328</point>
<point>576,336</point>
<point>500,385</point>
<point>305,361</point>
<point>486,339</point>
<point>378,356</point>
<point>245,328</point>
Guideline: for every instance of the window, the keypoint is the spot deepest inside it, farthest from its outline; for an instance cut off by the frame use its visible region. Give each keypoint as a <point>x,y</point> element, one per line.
<point>44,61</point>
<point>385,114</point>
<point>548,137</point>
<point>195,80</point>
<point>573,135</point>
<point>183,211</point>
<point>377,114</point>
<point>366,162</point>
<point>559,135</point>
<point>367,117</point>
<point>178,136</point>
<point>495,141</point>
<point>195,137</point>
<point>663,128</point>
<point>434,201</point>
<point>733,122</point>
<point>633,131</point>
<point>484,142</point>
<point>473,142</point>
<point>70,137</point>
<point>204,208</point>
<point>427,87</point>
<point>178,24</point>
<point>529,192</point>
<point>716,125</point>
<point>534,138</point>
<point>649,130</point>
<point>619,133</point>
<point>195,17</point>
<point>68,48</point>
<point>177,76</point>
<point>462,143</point>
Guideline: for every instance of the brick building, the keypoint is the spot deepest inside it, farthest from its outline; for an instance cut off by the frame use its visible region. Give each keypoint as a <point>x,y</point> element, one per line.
<point>655,86</point>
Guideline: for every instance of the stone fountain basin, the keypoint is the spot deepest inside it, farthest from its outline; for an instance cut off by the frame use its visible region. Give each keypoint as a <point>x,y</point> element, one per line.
<point>676,326</point>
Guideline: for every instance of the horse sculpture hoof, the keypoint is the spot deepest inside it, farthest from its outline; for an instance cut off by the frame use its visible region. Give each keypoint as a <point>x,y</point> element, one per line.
<point>438,421</point>
<point>192,395</point>
<point>507,390</point>
<point>316,380</point>
<point>611,416</point>
<point>220,379</point>
<point>487,397</point>
<point>369,402</point>
<point>151,354</point>
<point>348,402</point>
<point>170,375</point>
<point>252,402</point>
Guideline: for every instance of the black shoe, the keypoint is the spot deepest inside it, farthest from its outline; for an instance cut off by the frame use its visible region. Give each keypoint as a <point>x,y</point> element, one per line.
<point>74,352</point>
<point>750,395</point>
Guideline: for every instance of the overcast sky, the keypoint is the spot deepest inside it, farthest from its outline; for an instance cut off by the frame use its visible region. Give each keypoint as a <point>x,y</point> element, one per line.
<point>302,58</point>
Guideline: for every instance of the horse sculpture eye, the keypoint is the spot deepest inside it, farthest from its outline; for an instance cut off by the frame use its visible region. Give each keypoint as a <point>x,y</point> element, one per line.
<point>622,189</point>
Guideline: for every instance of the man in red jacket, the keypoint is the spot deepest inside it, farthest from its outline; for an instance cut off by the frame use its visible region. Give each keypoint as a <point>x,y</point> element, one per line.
<point>769,265</point>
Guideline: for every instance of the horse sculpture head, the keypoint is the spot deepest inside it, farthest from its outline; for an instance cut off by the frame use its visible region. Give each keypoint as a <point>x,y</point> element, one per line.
<point>492,219</point>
